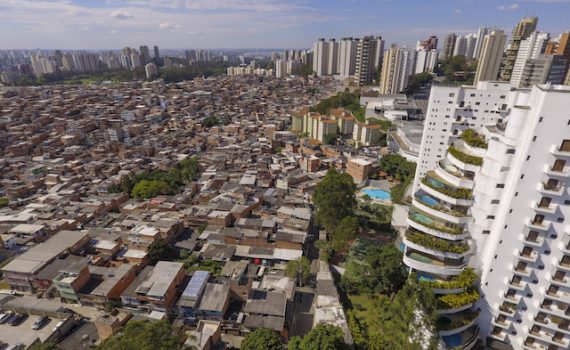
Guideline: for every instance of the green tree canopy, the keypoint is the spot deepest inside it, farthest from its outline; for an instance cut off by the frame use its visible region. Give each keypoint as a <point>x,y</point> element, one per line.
<point>158,250</point>
<point>334,198</point>
<point>322,337</point>
<point>262,339</point>
<point>299,269</point>
<point>346,230</point>
<point>145,335</point>
<point>150,188</point>
<point>380,271</point>
<point>4,202</point>
<point>397,166</point>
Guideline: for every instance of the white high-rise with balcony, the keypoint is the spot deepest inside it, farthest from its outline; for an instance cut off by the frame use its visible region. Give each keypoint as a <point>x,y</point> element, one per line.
<point>491,196</point>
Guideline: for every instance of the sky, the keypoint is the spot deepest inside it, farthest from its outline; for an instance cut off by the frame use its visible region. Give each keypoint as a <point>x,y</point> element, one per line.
<point>180,24</point>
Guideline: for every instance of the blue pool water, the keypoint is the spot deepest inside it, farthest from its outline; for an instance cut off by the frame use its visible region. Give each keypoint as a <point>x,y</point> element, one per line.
<point>452,340</point>
<point>422,218</point>
<point>377,194</point>
<point>402,247</point>
<point>425,278</point>
<point>428,200</point>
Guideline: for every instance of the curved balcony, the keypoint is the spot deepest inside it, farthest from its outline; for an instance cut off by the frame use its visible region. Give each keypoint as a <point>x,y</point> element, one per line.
<point>423,262</point>
<point>456,323</point>
<point>435,186</point>
<point>450,173</point>
<point>465,340</point>
<point>423,222</point>
<point>439,211</point>
<point>458,158</point>
<point>435,246</point>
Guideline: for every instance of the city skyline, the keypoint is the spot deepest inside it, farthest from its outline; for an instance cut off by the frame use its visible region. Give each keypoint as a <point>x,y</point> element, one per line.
<point>177,24</point>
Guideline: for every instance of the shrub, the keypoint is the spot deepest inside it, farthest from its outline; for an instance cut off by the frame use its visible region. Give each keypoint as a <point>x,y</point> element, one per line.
<point>464,280</point>
<point>473,139</point>
<point>453,301</point>
<point>465,158</point>
<point>435,243</point>
<point>459,193</point>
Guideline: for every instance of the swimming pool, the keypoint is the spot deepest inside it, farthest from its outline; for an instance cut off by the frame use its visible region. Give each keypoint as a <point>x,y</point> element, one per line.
<point>428,200</point>
<point>402,247</point>
<point>452,341</point>
<point>377,194</point>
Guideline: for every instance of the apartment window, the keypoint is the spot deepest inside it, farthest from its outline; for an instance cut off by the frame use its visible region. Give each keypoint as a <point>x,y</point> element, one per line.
<point>490,217</point>
<point>527,157</point>
<point>502,97</point>
<point>500,185</point>
<point>510,211</point>
<point>495,201</point>
<point>472,95</point>
<point>567,202</point>
<point>534,139</point>
<point>522,176</point>
<point>486,232</point>
<point>511,151</point>
<point>451,94</point>
<point>540,120</point>
<point>516,194</point>
<point>560,220</point>
<point>568,122</point>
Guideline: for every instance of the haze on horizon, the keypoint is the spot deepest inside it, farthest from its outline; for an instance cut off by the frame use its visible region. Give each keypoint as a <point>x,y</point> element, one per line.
<point>111,24</point>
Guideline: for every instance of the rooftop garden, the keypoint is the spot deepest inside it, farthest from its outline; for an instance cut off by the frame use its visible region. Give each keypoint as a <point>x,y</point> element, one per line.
<point>465,158</point>
<point>454,301</point>
<point>435,243</point>
<point>473,139</point>
<point>464,280</point>
<point>442,208</point>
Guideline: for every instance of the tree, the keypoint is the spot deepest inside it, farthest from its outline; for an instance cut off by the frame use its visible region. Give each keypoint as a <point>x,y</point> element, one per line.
<point>322,337</point>
<point>150,188</point>
<point>346,231</point>
<point>211,121</point>
<point>330,139</point>
<point>189,169</point>
<point>4,202</point>
<point>158,250</point>
<point>397,166</point>
<point>262,338</point>
<point>299,269</point>
<point>145,335</point>
<point>334,198</point>
<point>381,270</point>
<point>416,81</point>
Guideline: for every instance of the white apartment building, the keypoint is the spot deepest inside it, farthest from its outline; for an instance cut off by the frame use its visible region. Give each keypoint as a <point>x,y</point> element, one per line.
<point>453,109</point>
<point>490,57</point>
<point>398,65</point>
<point>426,60</point>
<point>496,202</point>
<point>529,49</point>
<point>320,57</point>
<point>347,60</point>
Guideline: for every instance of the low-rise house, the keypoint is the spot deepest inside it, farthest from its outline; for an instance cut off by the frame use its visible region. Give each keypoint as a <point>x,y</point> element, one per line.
<point>160,288</point>
<point>106,285</point>
<point>71,279</point>
<point>22,271</point>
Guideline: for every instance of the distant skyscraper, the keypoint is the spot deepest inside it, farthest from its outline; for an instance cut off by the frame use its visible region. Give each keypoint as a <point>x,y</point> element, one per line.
<point>58,58</point>
<point>332,67</point>
<point>479,43</point>
<point>448,46</point>
<point>365,56</point>
<point>320,57</point>
<point>543,69</point>
<point>379,52</point>
<point>156,52</point>
<point>563,49</point>
<point>460,46</point>
<point>67,62</point>
<point>470,43</point>
<point>529,48</point>
<point>426,61</point>
<point>145,54</point>
<point>521,31</point>
<point>280,68</point>
<point>397,66</point>
<point>490,58</point>
<point>150,70</point>
<point>347,53</point>
<point>135,60</point>
<point>428,44</point>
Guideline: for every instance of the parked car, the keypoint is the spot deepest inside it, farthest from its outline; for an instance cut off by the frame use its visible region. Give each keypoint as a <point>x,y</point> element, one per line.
<point>17,319</point>
<point>40,322</point>
<point>5,316</point>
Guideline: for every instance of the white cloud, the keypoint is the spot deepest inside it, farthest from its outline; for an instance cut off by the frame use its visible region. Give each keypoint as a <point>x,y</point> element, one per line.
<point>171,27</point>
<point>457,11</point>
<point>513,6</point>
<point>121,15</point>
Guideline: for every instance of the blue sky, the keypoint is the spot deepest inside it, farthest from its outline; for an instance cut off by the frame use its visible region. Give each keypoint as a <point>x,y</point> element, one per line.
<point>91,24</point>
